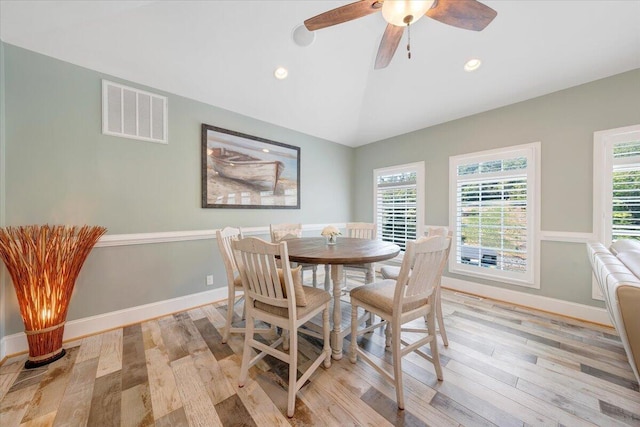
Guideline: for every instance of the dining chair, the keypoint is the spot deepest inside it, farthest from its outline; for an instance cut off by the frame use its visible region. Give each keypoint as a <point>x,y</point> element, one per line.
<point>271,297</point>
<point>390,272</point>
<point>397,302</point>
<point>361,230</point>
<point>292,230</point>
<point>224,238</point>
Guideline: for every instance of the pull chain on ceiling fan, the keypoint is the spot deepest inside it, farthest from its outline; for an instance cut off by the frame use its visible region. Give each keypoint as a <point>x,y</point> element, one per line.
<point>409,40</point>
<point>465,14</point>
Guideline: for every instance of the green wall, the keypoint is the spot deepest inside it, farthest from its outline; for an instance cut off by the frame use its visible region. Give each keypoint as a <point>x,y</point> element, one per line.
<point>2,188</point>
<point>60,169</point>
<point>564,123</point>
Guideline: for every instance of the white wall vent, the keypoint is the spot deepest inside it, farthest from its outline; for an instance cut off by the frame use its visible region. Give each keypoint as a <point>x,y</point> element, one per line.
<point>133,113</point>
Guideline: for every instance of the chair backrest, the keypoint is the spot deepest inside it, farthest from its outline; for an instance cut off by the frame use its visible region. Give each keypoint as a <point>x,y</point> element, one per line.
<point>224,238</point>
<point>361,230</point>
<point>283,231</point>
<point>421,269</point>
<point>256,261</point>
<point>441,231</point>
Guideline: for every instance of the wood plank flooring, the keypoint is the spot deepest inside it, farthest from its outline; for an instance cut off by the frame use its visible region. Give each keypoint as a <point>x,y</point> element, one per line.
<point>505,366</point>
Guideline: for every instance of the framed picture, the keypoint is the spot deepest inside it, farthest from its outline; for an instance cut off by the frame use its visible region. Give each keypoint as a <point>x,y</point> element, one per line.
<point>244,171</point>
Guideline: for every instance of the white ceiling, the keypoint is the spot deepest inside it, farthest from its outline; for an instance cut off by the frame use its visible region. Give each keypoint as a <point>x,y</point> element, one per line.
<point>224,53</point>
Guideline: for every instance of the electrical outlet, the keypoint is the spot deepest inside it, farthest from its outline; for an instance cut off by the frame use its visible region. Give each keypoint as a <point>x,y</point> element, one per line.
<point>210,280</point>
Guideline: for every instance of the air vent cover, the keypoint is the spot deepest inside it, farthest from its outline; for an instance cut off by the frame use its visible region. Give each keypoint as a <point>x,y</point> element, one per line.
<point>133,113</point>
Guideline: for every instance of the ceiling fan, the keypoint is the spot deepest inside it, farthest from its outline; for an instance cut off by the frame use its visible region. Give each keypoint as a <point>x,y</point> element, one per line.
<point>466,14</point>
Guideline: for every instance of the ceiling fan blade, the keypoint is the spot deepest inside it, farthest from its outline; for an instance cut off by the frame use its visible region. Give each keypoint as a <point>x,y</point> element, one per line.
<point>342,14</point>
<point>467,14</point>
<point>388,45</point>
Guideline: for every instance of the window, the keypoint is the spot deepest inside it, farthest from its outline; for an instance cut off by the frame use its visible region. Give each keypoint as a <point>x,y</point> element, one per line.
<point>617,184</point>
<point>399,202</point>
<point>493,213</point>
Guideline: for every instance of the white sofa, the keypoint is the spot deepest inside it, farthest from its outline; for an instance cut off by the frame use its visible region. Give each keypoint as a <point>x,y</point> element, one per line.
<point>617,270</point>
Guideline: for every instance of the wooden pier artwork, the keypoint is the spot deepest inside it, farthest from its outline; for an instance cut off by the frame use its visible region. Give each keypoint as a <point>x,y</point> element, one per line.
<point>235,178</point>
<point>245,171</point>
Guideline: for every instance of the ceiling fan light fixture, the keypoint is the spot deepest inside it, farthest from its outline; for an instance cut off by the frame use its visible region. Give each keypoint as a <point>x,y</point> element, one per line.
<point>405,12</point>
<point>472,65</point>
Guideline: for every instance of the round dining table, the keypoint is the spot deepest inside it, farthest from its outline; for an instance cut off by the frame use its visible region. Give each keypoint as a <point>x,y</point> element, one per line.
<point>347,251</point>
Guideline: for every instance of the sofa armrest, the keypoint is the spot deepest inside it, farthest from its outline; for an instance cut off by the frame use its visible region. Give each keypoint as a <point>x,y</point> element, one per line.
<point>621,290</point>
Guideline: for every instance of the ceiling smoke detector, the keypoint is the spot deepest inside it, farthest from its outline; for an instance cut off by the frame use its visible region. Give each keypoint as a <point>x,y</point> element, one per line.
<point>302,37</point>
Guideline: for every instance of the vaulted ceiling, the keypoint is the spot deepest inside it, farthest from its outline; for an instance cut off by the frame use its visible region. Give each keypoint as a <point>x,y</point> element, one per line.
<point>224,53</point>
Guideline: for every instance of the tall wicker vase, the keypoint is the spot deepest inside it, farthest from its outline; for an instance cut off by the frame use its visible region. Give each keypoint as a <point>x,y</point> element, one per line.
<point>44,262</point>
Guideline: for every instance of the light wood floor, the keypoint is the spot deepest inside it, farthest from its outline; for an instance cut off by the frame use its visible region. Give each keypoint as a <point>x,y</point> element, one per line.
<point>505,366</point>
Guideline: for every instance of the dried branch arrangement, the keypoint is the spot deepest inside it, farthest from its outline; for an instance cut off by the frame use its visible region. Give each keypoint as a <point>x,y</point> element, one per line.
<point>44,263</point>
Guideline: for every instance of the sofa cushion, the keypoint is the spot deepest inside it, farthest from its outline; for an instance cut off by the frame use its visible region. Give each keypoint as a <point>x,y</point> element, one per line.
<point>623,245</point>
<point>298,289</point>
<point>315,297</point>
<point>381,295</point>
<point>237,281</point>
<point>631,260</point>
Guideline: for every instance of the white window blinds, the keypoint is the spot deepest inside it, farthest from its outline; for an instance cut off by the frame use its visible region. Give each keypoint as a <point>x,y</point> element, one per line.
<point>625,196</point>
<point>492,213</point>
<point>397,195</point>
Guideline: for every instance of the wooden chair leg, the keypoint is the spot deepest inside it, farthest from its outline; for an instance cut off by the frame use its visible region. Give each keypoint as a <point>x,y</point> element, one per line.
<point>387,335</point>
<point>397,362</point>
<point>231,299</point>
<point>246,353</point>
<point>353,353</point>
<point>293,372</point>
<point>443,332</point>
<point>244,309</point>
<point>435,355</point>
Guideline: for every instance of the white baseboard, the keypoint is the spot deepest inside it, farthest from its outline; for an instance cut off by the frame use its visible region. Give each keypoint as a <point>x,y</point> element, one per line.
<point>552,305</point>
<point>17,343</point>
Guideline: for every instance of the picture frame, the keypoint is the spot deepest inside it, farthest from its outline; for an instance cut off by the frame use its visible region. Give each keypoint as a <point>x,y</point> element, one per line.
<point>248,172</point>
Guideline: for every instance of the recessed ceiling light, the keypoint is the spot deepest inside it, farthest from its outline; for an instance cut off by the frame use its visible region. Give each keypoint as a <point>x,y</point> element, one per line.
<point>472,64</point>
<point>281,73</point>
